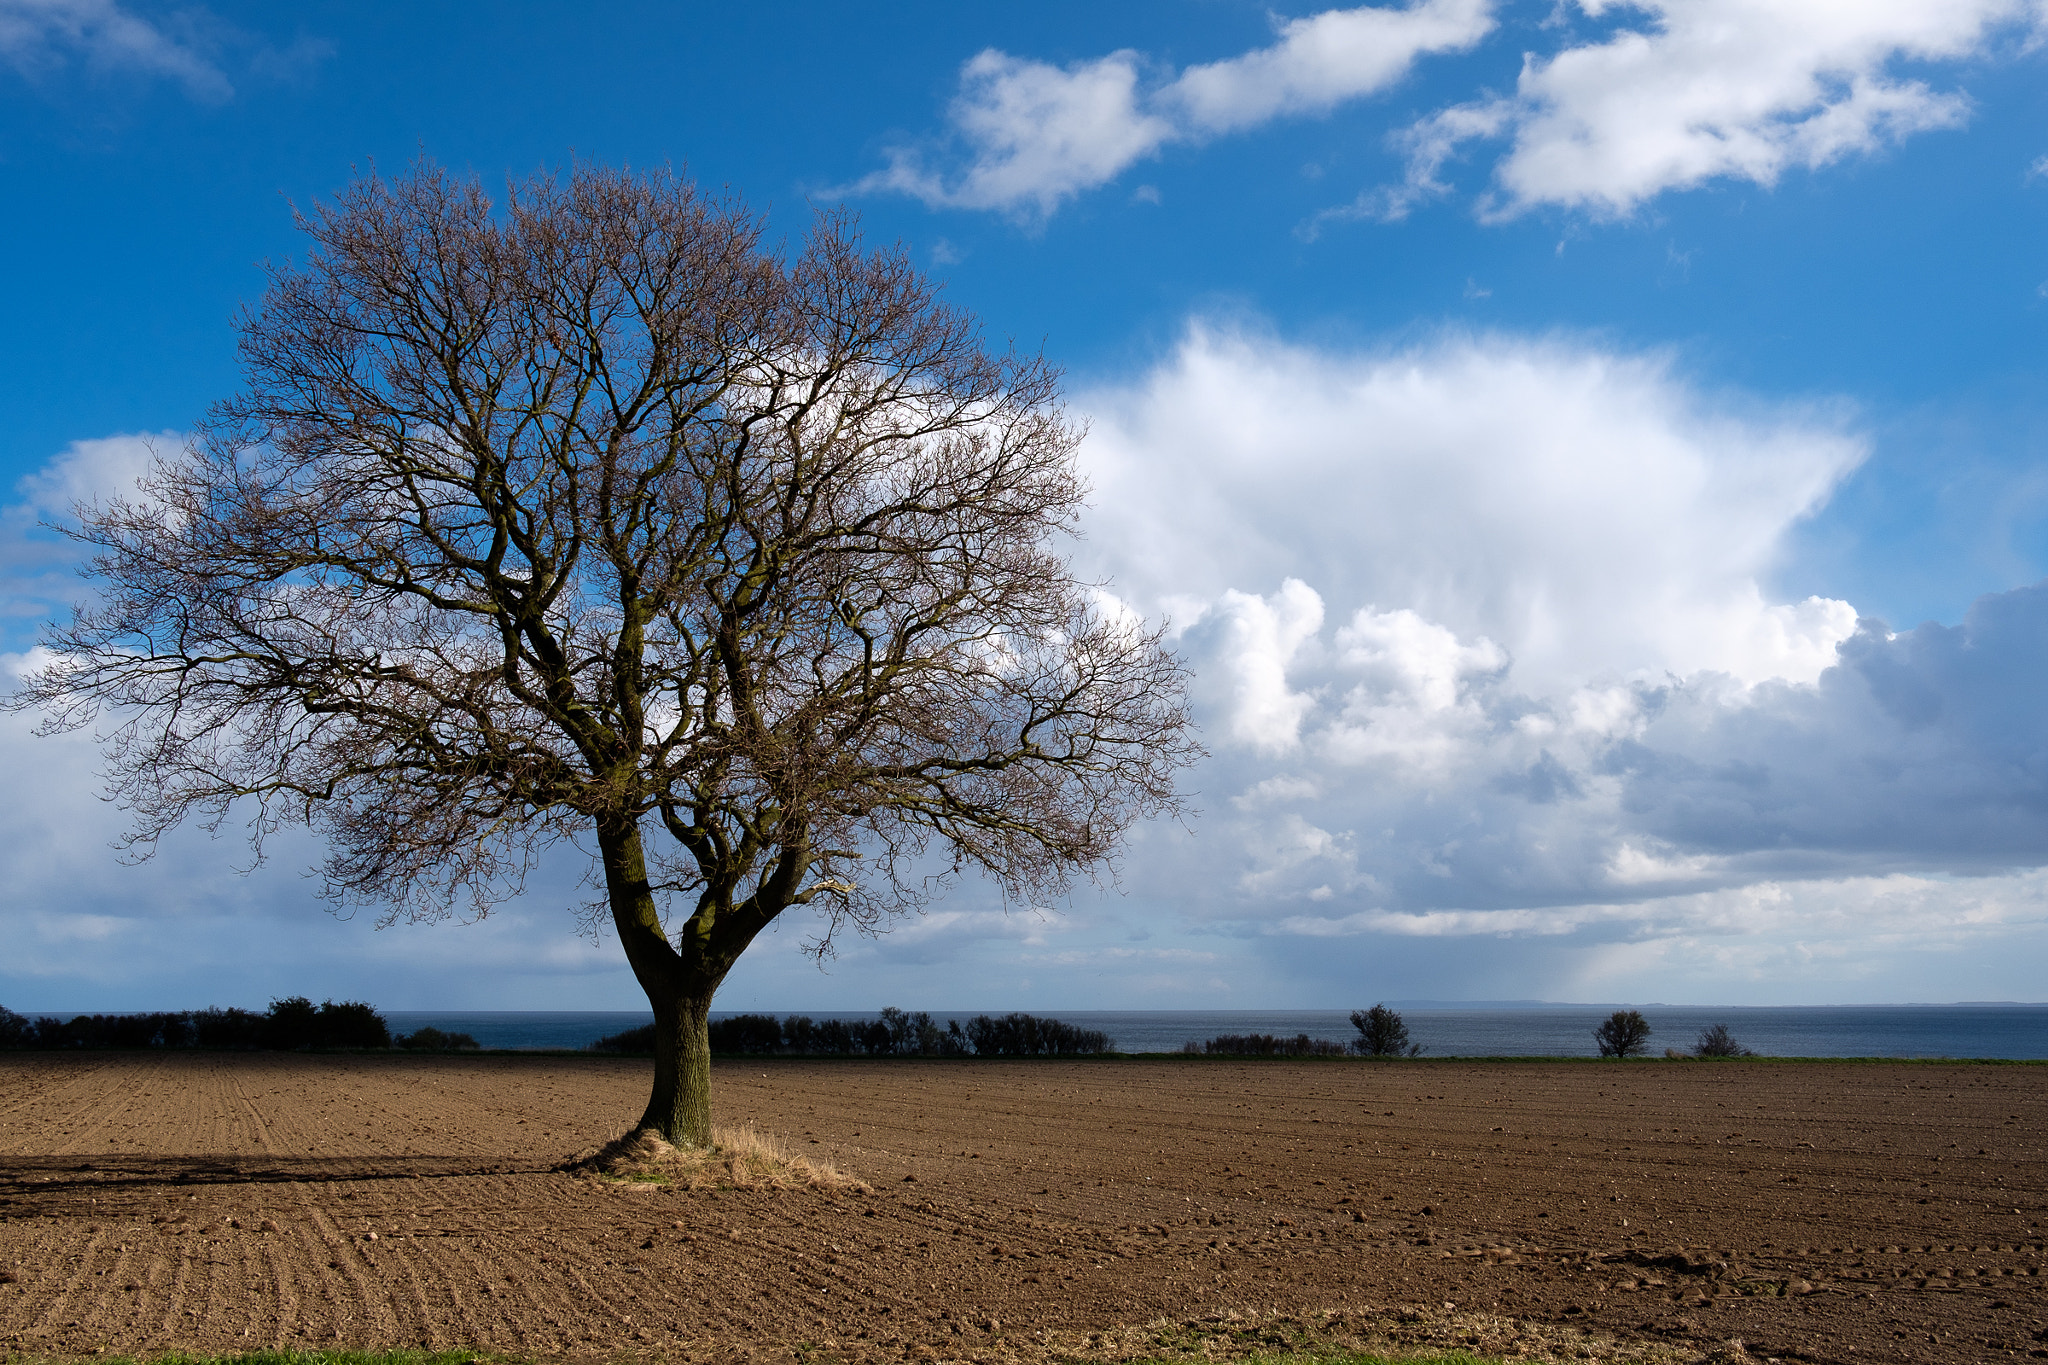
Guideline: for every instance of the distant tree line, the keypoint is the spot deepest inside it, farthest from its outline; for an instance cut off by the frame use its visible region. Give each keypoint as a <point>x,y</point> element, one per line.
<point>293,1024</point>
<point>1265,1045</point>
<point>898,1033</point>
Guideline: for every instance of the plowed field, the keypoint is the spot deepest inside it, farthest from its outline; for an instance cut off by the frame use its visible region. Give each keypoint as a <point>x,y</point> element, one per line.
<point>1837,1212</point>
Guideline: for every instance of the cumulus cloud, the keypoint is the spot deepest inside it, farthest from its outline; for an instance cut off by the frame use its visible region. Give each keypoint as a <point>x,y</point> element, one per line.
<point>1928,747</point>
<point>1681,92</point>
<point>1428,794</point>
<point>1489,645</point>
<point>1587,512</point>
<point>1261,638</point>
<point>1486,644</point>
<point>1035,134</point>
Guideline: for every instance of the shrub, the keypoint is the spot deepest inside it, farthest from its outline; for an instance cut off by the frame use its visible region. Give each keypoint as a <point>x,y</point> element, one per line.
<point>635,1040</point>
<point>427,1038</point>
<point>1717,1041</point>
<point>1382,1033</point>
<point>239,1029</point>
<point>1267,1045</point>
<point>114,1031</point>
<point>898,1033</point>
<point>919,1035</point>
<point>1625,1032</point>
<point>746,1033</point>
<point>1024,1035</point>
<point>834,1038</point>
<point>351,1023</point>
<point>294,1022</point>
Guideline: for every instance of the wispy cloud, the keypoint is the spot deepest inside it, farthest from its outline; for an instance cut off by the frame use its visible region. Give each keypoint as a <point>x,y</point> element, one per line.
<point>39,36</point>
<point>41,39</point>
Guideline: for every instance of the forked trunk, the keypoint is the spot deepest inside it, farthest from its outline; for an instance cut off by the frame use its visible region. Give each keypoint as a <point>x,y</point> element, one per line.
<point>678,987</point>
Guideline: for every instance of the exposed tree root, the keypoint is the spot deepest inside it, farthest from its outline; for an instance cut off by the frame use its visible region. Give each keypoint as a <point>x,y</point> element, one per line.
<point>739,1158</point>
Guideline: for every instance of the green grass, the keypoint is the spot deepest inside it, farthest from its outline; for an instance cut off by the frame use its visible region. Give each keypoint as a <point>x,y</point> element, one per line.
<point>1332,1357</point>
<point>294,1358</point>
<point>1337,1357</point>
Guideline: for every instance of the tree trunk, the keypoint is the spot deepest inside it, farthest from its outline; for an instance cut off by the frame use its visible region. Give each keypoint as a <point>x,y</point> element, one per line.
<point>680,1107</point>
<point>679,990</point>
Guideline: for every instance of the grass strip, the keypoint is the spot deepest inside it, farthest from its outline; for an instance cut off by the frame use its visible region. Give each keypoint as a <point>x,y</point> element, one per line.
<point>289,1358</point>
<point>1423,1356</point>
<point>1325,1357</point>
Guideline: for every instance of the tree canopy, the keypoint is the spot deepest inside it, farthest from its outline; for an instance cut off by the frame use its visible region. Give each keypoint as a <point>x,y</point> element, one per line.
<point>595,516</point>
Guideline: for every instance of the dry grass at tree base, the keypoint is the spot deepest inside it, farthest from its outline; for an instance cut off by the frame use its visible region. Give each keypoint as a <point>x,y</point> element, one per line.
<point>738,1159</point>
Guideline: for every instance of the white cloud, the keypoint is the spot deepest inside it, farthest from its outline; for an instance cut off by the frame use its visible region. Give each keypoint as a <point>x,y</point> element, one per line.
<point>1587,512</point>
<point>1323,61</point>
<point>36,578</point>
<point>1038,134</point>
<point>1413,699</point>
<point>1757,929</point>
<point>1926,748</point>
<point>93,469</point>
<point>1259,639</point>
<point>1486,645</point>
<point>38,35</point>
<point>1681,92</point>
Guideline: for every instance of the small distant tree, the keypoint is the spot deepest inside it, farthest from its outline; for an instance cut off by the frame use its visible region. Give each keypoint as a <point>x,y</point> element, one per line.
<point>1623,1034</point>
<point>15,1031</point>
<point>799,1034</point>
<point>1717,1041</point>
<point>919,1035</point>
<point>1027,1035</point>
<point>296,1022</point>
<point>1382,1033</point>
<point>292,1023</point>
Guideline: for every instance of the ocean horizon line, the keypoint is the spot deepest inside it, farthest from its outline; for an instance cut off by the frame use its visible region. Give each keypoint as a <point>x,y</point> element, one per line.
<point>848,1012</point>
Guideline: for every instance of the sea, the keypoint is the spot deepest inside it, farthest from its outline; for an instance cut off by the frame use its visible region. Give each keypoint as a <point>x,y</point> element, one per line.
<point>1519,1029</point>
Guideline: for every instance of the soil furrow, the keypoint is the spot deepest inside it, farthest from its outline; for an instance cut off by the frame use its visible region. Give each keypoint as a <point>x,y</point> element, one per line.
<point>1843,1212</point>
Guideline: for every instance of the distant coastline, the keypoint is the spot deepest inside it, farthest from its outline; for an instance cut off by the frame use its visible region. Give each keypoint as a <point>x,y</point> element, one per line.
<point>1993,1030</point>
<point>1998,1030</point>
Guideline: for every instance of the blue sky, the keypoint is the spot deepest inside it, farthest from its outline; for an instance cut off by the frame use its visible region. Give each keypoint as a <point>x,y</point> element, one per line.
<point>1594,455</point>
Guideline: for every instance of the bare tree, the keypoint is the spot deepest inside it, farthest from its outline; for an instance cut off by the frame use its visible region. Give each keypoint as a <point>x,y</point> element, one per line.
<point>596,517</point>
<point>1622,1034</point>
<point>1717,1041</point>
<point>1382,1033</point>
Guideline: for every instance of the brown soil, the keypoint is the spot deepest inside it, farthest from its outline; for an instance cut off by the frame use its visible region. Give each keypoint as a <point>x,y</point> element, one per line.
<point>1655,1210</point>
